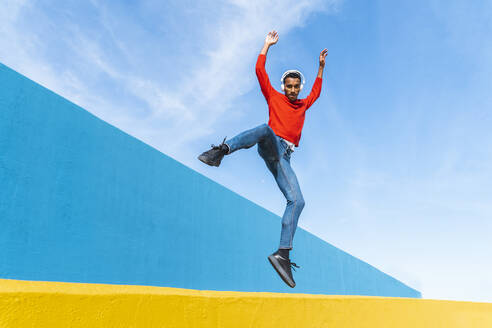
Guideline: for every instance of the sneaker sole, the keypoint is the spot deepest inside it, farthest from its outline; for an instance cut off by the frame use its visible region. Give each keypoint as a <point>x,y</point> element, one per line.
<point>202,159</point>
<point>281,272</point>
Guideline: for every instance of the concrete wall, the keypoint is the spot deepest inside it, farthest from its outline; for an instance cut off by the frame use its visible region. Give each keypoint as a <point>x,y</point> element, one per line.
<point>81,201</point>
<point>54,304</point>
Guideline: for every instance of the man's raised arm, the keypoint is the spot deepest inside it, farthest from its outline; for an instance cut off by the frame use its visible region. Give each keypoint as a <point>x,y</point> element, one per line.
<point>266,87</point>
<point>316,90</point>
<point>322,57</point>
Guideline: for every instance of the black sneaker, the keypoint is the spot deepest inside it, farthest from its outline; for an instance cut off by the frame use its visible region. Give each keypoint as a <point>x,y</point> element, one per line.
<point>283,268</point>
<point>214,156</point>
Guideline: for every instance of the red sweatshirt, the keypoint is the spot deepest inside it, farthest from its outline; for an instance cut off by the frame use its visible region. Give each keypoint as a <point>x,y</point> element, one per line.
<point>286,118</point>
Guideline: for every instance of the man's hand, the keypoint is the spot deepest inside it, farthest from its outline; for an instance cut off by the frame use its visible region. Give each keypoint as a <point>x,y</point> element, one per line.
<point>271,39</point>
<point>322,57</point>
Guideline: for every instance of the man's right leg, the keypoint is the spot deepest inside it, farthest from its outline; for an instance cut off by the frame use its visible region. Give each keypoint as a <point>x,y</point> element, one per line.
<point>261,134</point>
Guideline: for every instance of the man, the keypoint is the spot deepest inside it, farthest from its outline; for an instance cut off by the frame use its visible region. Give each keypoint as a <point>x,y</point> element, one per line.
<point>276,142</point>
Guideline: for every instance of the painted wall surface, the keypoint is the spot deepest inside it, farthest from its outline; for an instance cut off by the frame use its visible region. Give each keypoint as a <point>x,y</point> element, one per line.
<point>54,304</point>
<point>81,201</point>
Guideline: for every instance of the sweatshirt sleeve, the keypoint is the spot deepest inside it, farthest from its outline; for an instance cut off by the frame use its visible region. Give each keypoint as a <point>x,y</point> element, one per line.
<point>266,87</point>
<point>315,92</point>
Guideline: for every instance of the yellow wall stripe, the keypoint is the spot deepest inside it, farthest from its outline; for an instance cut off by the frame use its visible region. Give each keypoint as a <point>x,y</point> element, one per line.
<point>55,304</point>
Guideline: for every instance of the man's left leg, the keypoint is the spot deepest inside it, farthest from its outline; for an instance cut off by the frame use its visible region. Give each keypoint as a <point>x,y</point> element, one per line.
<point>288,184</point>
<point>287,181</point>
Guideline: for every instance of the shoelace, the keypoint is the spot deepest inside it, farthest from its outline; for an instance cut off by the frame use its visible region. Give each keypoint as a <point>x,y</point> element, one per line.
<point>215,147</point>
<point>293,265</point>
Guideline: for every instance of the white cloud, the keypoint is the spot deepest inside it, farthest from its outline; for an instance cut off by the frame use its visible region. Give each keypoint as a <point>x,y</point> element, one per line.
<point>191,102</point>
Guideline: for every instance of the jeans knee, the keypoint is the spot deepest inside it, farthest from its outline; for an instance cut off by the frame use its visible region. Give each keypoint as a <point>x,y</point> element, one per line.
<point>297,203</point>
<point>300,203</point>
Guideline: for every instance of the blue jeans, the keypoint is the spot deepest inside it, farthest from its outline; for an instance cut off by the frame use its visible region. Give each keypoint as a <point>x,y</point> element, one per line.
<point>276,154</point>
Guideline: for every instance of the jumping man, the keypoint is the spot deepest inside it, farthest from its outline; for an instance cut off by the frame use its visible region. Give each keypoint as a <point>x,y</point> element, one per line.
<point>276,142</point>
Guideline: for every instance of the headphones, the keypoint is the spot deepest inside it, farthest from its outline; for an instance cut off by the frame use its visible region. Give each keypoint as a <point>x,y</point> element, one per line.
<point>282,86</point>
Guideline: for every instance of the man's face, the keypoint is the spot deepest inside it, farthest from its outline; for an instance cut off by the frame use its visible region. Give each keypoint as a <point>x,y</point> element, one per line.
<point>292,87</point>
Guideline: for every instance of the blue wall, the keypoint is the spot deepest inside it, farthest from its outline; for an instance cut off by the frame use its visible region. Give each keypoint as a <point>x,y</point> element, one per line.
<point>82,201</point>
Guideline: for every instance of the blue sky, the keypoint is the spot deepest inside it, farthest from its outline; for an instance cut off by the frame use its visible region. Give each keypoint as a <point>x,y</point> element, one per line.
<point>395,160</point>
